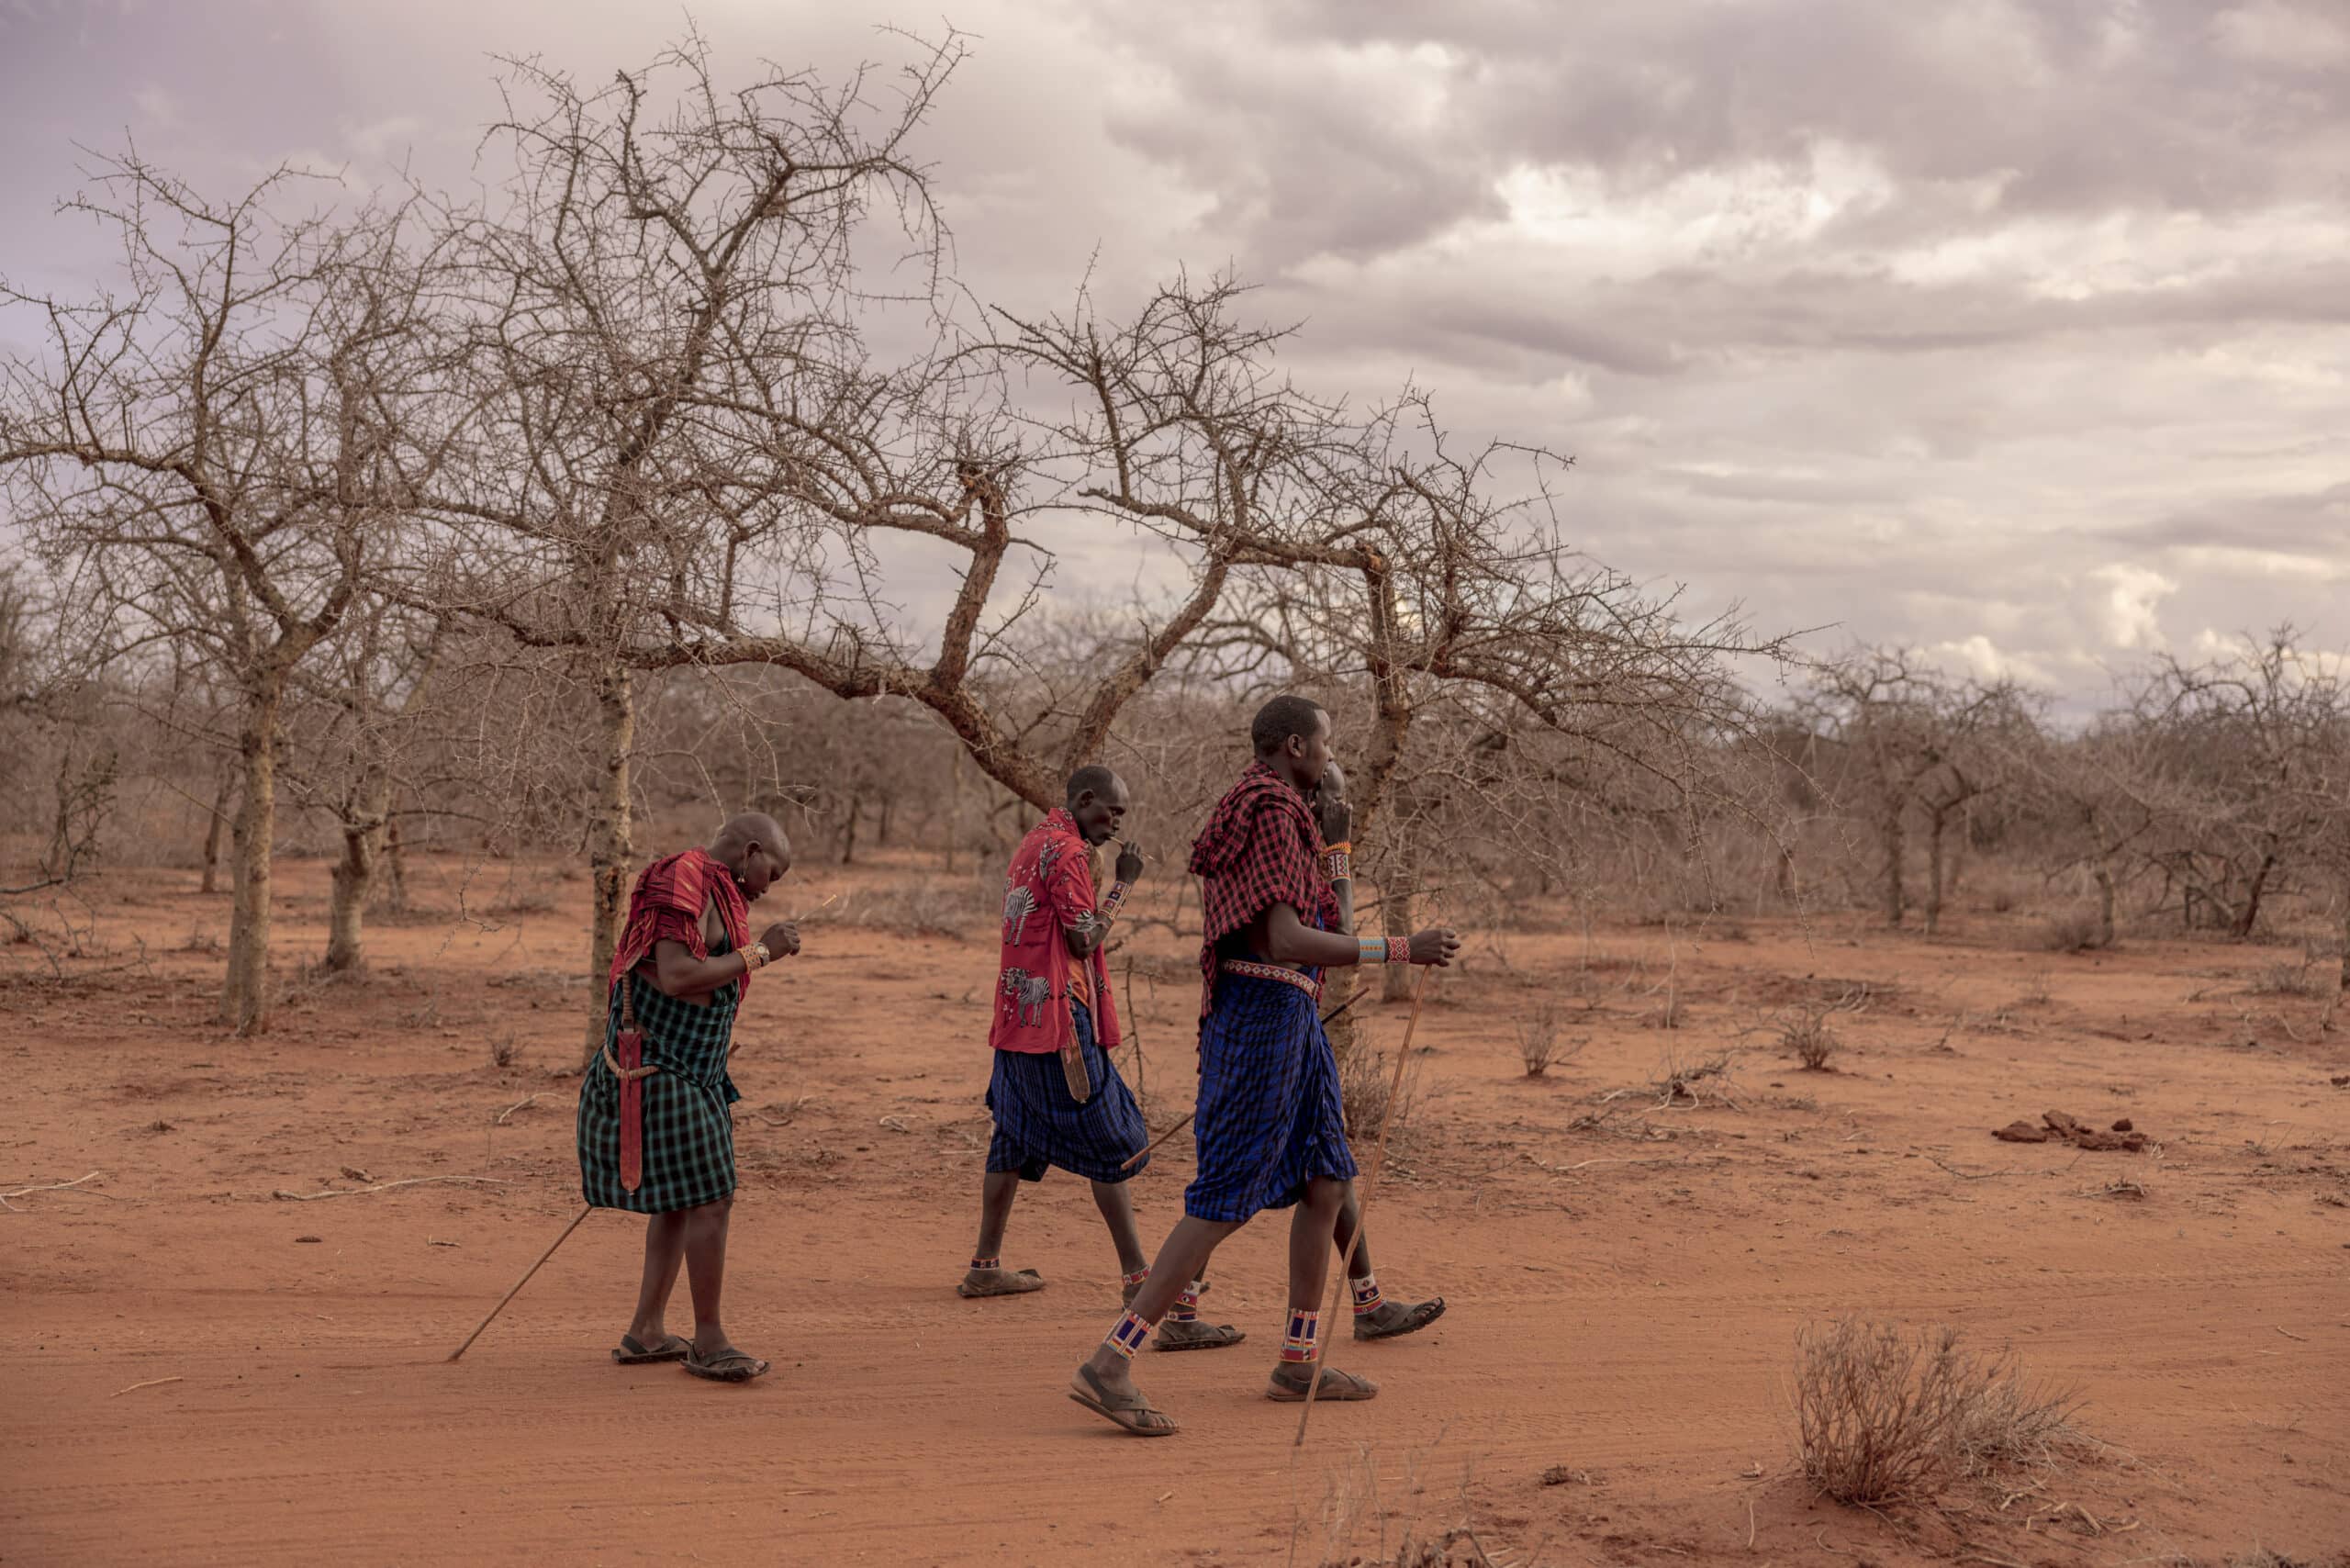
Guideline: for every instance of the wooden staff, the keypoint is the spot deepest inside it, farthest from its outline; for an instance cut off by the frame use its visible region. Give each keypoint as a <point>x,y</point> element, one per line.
<point>1130,1161</point>
<point>525,1280</point>
<point>1370,1190</point>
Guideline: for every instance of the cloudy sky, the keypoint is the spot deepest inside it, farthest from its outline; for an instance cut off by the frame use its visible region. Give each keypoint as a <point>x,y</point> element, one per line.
<point>2015,330</point>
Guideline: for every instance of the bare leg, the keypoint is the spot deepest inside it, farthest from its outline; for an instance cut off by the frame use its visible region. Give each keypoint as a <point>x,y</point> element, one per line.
<point>664,1252</point>
<point>1390,1318</point>
<point>1180,1261</point>
<point>996,1194</point>
<point>1117,1208</point>
<point>1310,1229</point>
<point>1311,1226</point>
<point>1349,1219</point>
<point>705,1228</point>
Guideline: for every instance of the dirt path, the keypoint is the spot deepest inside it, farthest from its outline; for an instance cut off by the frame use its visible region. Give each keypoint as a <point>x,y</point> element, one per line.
<point>1626,1275</point>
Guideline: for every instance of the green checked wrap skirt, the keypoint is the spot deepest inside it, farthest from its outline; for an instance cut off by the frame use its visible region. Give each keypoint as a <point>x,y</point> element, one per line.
<point>688,1130</point>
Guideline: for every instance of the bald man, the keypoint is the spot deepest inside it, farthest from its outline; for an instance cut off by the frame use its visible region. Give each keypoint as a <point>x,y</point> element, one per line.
<point>655,1133</point>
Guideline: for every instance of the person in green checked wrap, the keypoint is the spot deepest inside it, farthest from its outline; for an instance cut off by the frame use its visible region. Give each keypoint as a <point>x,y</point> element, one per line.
<point>655,1133</point>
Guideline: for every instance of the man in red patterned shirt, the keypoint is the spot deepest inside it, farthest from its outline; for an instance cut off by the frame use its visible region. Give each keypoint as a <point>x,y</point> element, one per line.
<point>1054,1094</point>
<point>1269,1129</point>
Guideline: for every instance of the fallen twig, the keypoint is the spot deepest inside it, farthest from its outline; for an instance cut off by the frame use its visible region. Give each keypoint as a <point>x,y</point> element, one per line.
<point>514,1107</point>
<point>151,1382</point>
<point>52,1187</point>
<point>381,1187</point>
<point>1969,1175</point>
<point>2290,1335</point>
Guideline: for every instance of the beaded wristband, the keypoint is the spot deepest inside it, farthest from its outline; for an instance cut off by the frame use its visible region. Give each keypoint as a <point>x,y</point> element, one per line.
<point>1338,864</point>
<point>1113,898</point>
<point>1399,952</point>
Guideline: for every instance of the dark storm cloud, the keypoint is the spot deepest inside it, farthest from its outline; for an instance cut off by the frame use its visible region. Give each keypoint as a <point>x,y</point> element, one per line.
<point>2014,329</point>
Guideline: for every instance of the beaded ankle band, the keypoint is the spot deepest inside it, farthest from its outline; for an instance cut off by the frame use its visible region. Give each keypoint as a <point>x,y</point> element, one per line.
<point>1187,1304</point>
<point>1366,1296</point>
<point>981,1265</point>
<point>1304,1327</point>
<point>1128,1335</point>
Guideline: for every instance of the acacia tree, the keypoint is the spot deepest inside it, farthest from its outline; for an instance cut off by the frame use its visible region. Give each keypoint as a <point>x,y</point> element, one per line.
<point>1904,742</point>
<point>360,719</point>
<point>2247,757</point>
<point>220,454</point>
<point>652,285</point>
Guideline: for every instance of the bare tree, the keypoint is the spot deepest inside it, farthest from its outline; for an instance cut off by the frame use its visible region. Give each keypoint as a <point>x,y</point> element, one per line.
<point>2248,755</point>
<point>1906,742</point>
<point>350,743</point>
<point>654,290</point>
<point>219,454</point>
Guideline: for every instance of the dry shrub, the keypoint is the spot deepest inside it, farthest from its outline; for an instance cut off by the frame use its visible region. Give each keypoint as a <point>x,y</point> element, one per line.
<point>925,906</point>
<point>1805,1033</point>
<point>2074,930</point>
<point>1883,1417</point>
<point>1538,1040</point>
<point>1365,1077</point>
<point>2286,979</point>
<point>503,1049</point>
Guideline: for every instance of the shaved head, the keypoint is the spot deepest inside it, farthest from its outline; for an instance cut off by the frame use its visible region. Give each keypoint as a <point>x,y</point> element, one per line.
<point>752,845</point>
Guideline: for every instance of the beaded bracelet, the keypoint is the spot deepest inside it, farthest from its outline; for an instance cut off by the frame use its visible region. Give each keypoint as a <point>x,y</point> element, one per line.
<point>1371,950</point>
<point>1338,864</point>
<point>1113,898</point>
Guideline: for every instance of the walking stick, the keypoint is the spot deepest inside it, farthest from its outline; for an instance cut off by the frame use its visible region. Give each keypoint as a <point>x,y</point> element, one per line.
<point>1369,1190</point>
<point>525,1280</point>
<point>1130,1161</point>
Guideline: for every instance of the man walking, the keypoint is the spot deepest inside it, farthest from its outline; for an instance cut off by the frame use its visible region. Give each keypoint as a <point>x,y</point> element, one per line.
<point>1270,1129</point>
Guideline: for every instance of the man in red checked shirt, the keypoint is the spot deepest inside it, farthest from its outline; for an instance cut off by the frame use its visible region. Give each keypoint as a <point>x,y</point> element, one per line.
<point>1270,1129</point>
<point>1056,1096</point>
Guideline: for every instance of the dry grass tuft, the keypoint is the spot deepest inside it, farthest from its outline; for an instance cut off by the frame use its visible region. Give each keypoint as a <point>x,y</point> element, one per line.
<point>1885,1417</point>
<point>922,906</point>
<point>1538,1040</point>
<point>2074,930</point>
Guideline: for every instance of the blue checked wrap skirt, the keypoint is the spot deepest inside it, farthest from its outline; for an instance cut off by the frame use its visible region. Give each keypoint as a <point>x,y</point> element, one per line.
<point>689,1131</point>
<point>1038,1125</point>
<point>1269,1116</point>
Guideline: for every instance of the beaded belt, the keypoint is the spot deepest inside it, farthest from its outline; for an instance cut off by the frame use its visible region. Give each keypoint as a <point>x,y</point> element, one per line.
<point>1286,976</point>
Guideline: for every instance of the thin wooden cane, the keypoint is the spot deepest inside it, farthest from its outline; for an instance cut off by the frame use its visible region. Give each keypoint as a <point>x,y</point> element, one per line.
<point>525,1280</point>
<point>1362,1211</point>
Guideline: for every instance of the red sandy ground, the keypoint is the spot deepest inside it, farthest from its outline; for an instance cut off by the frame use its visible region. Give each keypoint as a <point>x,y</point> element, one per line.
<point>1624,1298</point>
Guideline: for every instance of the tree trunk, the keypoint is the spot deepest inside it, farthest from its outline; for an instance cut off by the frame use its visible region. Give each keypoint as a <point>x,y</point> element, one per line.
<point>395,866</point>
<point>610,845</point>
<point>220,800</point>
<point>2104,907</point>
<point>1892,838</point>
<point>1934,833</point>
<point>2249,915</point>
<point>1395,914</point>
<point>881,829</point>
<point>848,833</point>
<point>354,878</point>
<point>244,993</point>
<point>1783,877</point>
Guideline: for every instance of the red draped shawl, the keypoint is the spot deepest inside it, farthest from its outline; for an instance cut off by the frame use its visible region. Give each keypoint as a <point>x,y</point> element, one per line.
<point>667,905</point>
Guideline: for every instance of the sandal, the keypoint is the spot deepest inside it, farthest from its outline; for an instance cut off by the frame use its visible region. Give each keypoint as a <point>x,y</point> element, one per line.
<point>1000,1281</point>
<point>1195,1336</point>
<point>1338,1388</point>
<point>634,1353</point>
<point>1129,1412</point>
<point>727,1366</point>
<point>1416,1316</point>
